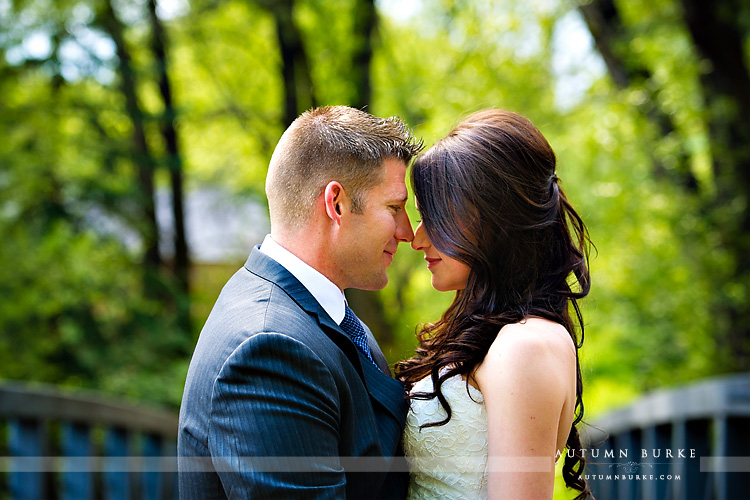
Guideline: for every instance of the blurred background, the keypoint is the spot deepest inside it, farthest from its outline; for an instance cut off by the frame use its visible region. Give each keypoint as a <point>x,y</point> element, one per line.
<point>135,138</point>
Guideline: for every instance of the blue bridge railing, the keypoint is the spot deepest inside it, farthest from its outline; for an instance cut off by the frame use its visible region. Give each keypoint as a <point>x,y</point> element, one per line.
<point>68,446</point>
<point>688,443</point>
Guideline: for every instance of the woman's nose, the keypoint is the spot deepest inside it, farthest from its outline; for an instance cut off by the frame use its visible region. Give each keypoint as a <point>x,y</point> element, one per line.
<point>420,240</point>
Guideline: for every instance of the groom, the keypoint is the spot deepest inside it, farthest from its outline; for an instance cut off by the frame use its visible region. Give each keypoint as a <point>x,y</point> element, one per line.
<point>288,395</point>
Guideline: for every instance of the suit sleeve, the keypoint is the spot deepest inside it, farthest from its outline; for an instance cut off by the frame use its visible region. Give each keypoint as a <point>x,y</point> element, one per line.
<point>273,402</point>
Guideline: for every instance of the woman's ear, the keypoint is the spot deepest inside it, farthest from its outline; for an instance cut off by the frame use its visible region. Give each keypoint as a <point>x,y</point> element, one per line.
<point>333,197</point>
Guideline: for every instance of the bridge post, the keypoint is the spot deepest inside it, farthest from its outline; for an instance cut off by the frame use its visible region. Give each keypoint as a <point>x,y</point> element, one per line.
<point>26,443</point>
<point>77,474</point>
<point>701,433</point>
<point>33,414</point>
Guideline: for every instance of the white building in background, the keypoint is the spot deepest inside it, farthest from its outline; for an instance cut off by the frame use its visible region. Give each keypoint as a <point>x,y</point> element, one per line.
<point>220,227</point>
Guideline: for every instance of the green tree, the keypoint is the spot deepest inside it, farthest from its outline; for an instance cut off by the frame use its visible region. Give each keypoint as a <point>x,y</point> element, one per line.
<point>80,153</point>
<point>714,35</point>
<point>106,102</point>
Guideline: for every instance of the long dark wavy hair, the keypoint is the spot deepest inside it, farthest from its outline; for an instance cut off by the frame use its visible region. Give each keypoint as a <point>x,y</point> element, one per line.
<point>489,197</point>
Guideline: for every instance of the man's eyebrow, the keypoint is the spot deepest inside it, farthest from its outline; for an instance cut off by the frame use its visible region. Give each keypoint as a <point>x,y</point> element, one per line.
<point>403,199</point>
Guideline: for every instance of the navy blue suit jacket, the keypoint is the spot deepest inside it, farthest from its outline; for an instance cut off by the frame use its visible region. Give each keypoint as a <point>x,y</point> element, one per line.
<point>274,380</point>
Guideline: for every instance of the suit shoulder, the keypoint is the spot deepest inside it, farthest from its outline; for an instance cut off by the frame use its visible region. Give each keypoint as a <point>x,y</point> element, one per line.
<point>275,352</point>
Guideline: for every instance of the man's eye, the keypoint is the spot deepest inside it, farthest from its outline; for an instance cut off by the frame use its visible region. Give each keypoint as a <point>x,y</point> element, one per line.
<point>396,208</point>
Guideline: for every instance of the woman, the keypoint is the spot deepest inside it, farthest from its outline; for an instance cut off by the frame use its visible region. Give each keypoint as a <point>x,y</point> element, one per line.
<point>498,375</point>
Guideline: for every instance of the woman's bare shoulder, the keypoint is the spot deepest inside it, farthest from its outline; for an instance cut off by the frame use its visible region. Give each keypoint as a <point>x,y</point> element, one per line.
<point>534,346</point>
<point>534,336</point>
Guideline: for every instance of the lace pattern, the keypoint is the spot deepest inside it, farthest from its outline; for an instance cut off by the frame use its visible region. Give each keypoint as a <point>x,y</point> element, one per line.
<point>447,461</point>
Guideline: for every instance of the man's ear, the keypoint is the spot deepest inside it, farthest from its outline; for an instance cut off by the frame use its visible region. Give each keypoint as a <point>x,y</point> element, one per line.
<point>333,197</point>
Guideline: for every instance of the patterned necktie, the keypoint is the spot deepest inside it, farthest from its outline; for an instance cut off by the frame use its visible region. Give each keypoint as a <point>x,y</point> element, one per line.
<point>353,327</point>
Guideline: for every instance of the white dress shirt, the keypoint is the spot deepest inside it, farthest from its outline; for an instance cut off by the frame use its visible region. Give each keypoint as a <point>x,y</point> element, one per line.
<point>328,295</point>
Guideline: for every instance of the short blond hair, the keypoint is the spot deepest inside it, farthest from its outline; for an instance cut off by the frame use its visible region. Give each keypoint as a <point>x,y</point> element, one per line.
<point>332,143</point>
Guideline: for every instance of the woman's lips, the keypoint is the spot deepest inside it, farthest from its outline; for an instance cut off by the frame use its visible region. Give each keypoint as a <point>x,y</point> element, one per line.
<point>432,262</point>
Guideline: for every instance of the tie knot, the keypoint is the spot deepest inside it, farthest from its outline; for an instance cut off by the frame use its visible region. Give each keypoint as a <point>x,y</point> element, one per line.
<point>351,324</point>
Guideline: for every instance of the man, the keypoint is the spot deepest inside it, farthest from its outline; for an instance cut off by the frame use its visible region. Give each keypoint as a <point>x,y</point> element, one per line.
<point>288,395</point>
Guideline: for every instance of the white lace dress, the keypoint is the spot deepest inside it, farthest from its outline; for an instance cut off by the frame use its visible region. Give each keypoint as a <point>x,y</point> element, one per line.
<point>447,461</point>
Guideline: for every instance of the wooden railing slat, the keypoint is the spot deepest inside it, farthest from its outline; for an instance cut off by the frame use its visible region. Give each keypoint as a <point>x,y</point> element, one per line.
<point>170,478</point>
<point>734,441</point>
<point>656,439</point>
<point>77,482</point>
<point>32,414</point>
<point>26,441</point>
<point>151,481</point>
<point>600,465</point>
<point>117,477</point>
<point>630,441</point>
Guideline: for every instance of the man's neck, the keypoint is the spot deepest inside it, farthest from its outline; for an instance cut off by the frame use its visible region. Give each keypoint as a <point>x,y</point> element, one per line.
<point>310,248</point>
<point>325,291</point>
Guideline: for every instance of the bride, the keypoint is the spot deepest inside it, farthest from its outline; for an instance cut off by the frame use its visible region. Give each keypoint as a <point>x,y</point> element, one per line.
<point>495,385</point>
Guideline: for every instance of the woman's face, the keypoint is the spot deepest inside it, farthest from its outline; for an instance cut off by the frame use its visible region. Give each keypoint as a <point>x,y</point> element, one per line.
<point>447,273</point>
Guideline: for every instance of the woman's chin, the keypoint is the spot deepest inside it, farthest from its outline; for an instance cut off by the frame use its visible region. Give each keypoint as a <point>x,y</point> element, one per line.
<point>443,287</point>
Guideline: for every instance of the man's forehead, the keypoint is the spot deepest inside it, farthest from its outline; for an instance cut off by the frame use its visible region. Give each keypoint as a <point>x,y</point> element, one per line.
<point>396,190</point>
<point>394,183</point>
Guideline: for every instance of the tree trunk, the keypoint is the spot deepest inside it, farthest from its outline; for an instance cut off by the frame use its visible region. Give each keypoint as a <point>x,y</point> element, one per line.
<point>365,24</point>
<point>611,40</point>
<point>603,21</point>
<point>719,38</point>
<point>368,305</point>
<point>142,157</point>
<point>299,96</point>
<point>174,164</point>
<point>298,89</point>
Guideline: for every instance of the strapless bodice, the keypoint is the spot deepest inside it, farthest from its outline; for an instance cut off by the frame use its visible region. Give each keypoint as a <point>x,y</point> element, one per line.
<point>447,461</point>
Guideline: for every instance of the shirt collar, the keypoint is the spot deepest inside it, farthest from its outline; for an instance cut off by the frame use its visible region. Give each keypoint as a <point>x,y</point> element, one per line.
<point>328,295</point>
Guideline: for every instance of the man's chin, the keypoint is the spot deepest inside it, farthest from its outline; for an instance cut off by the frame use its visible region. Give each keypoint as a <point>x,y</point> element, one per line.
<point>372,285</point>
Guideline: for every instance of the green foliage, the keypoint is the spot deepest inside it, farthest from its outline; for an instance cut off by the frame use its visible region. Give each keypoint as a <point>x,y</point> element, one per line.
<point>76,318</point>
<point>74,311</point>
<point>647,317</point>
<point>229,90</point>
<point>647,321</point>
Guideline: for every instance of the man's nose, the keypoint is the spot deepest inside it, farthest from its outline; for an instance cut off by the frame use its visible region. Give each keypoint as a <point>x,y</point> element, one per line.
<point>404,232</point>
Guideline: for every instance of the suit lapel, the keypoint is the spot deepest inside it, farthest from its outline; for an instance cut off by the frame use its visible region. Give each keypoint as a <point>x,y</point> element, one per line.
<point>377,354</point>
<point>264,266</point>
<point>388,391</point>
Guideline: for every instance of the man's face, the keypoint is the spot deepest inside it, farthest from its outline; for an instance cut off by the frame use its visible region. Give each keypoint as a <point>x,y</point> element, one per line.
<point>372,237</point>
